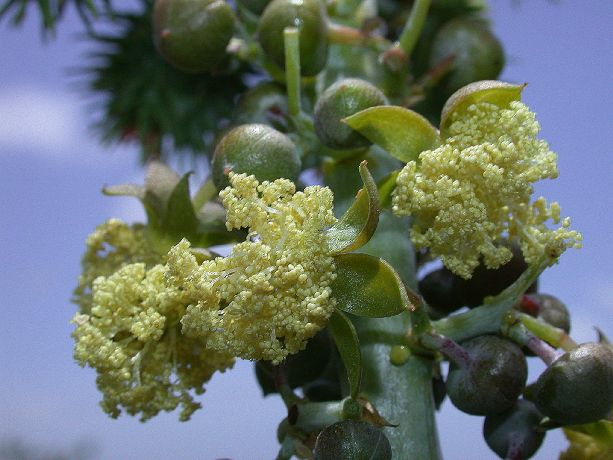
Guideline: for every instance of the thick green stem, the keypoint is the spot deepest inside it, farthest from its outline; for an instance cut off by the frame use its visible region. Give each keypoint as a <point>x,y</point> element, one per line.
<point>487,319</point>
<point>402,393</point>
<point>413,27</point>
<point>291,37</point>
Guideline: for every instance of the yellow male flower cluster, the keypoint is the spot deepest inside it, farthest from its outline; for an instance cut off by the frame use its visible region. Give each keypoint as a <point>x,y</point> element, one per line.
<point>273,292</point>
<point>132,337</point>
<point>473,192</point>
<point>585,447</point>
<point>111,246</point>
<point>156,332</point>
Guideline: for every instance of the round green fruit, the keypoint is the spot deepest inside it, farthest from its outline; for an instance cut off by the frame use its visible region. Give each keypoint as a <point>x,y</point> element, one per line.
<point>477,53</point>
<point>515,432</point>
<point>265,103</point>
<point>342,99</point>
<point>578,386</point>
<point>492,381</point>
<point>309,17</point>
<point>258,150</point>
<point>192,35</point>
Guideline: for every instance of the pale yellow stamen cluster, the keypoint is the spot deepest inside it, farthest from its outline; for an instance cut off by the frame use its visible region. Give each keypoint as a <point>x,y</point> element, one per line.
<point>111,246</point>
<point>132,338</point>
<point>273,292</point>
<point>474,192</point>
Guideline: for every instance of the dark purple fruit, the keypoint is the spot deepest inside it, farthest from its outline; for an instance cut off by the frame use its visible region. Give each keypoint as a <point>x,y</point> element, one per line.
<point>547,308</point>
<point>342,99</point>
<point>192,35</point>
<point>310,18</point>
<point>578,386</point>
<point>257,150</point>
<point>493,379</point>
<point>514,433</point>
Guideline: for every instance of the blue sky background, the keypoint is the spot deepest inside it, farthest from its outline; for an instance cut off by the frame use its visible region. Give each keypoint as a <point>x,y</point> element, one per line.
<point>51,171</point>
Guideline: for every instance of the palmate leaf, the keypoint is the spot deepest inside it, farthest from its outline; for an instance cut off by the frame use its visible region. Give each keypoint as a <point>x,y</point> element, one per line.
<point>147,100</point>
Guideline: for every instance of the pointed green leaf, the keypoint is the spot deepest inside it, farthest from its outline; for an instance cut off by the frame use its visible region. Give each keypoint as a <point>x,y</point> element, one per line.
<point>359,222</point>
<point>346,340</point>
<point>368,286</point>
<point>492,91</point>
<point>180,218</point>
<point>402,132</point>
<point>352,439</point>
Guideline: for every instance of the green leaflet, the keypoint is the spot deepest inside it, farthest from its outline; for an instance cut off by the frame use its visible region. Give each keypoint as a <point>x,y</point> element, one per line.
<point>368,286</point>
<point>492,91</point>
<point>352,439</point>
<point>402,132</point>
<point>359,222</point>
<point>346,340</point>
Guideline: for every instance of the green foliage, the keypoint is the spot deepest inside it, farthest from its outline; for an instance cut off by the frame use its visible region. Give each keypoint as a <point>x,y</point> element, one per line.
<point>147,100</point>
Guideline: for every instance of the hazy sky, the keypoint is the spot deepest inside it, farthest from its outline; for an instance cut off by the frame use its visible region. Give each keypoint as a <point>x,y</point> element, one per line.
<point>51,170</point>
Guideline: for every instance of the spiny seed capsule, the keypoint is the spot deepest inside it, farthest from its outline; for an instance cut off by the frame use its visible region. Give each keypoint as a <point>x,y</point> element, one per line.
<point>255,149</point>
<point>515,432</point>
<point>578,386</point>
<point>342,99</point>
<point>493,378</point>
<point>309,17</point>
<point>477,53</point>
<point>192,35</point>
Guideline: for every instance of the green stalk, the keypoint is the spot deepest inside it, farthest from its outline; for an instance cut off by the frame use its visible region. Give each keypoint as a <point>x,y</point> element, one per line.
<point>291,37</point>
<point>555,336</point>
<point>487,319</point>
<point>402,393</point>
<point>413,27</point>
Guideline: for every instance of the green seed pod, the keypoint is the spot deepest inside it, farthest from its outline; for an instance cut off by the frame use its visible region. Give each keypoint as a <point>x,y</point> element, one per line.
<point>548,308</point>
<point>255,6</point>
<point>492,381</point>
<point>265,103</point>
<point>514,433</point>
<point>578,386</point>
<point>255,149</point>
<point>342,99</point>
<point>192,35</point>
<point>310,18</point>
<point>478,53</point>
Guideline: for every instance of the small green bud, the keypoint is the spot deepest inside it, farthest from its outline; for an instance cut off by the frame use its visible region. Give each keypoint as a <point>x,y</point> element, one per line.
<point>477,53</point>
<point>578,386</point>
<point>192,35</point>
<point>255,149</point>
<point>514,431</point>
<point>399,354</point>
<point>343,99</point>
<point>310,18</point>
<point>492,381</point>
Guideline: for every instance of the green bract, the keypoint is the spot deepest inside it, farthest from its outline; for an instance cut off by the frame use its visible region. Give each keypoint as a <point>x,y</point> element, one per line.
<point>343,99</point>
<point>257,150</point>
<point>310,18</point>
<point>192,34</point>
